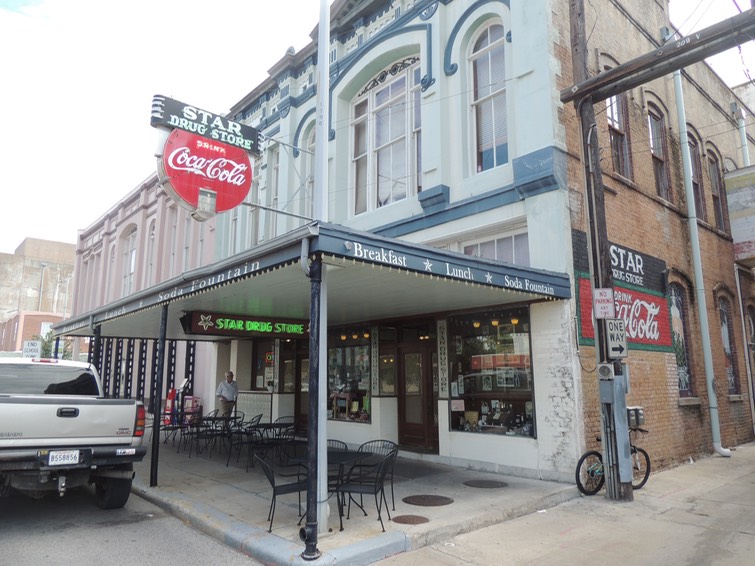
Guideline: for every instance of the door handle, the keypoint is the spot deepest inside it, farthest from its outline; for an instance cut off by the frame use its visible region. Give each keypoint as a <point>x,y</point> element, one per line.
<point>68,412</point>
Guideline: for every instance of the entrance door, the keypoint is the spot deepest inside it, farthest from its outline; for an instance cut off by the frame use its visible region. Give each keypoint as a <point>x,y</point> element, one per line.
<point>417,398</point>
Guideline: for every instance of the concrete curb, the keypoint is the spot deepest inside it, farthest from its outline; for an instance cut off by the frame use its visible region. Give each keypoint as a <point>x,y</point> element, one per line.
<point>260,544</point>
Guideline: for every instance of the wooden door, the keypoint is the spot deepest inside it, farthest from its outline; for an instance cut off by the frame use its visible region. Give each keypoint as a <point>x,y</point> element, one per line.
<point>417,398</point>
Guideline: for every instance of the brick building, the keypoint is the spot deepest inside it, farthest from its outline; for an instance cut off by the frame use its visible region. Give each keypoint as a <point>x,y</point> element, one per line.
<point>35,290</point>
<point>456,183</point>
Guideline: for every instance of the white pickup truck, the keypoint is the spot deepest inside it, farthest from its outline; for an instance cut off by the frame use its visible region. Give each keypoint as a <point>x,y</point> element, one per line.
<point>57,431</point>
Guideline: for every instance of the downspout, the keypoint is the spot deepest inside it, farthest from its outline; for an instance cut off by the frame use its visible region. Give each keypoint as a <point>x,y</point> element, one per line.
<point>737,270</point>
<point>702,309</point>
<point>739,113</point>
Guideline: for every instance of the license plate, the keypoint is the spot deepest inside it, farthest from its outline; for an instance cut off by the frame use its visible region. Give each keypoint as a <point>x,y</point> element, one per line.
<point>63,457</point>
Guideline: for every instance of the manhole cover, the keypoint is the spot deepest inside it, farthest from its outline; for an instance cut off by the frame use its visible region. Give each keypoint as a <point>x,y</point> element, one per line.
<point>410,519</point>
<point>487,484</point>
<point>428,500</point>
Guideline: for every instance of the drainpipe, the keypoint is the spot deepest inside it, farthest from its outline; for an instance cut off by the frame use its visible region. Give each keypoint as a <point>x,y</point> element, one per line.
<point>737,270</point>
<point>702,309</point>
<point>740,115</point>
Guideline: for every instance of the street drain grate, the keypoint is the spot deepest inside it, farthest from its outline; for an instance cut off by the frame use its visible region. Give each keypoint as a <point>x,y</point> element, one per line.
<point>410,519</point>
<point>428,500</point>
<point>487,484</point>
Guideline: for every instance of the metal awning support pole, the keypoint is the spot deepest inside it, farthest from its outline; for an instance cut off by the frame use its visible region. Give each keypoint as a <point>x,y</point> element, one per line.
<point>309,533</point>
<point>158,402</point>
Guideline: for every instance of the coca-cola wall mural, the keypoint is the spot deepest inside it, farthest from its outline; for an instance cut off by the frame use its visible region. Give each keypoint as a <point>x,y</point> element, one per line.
<point>204,164</point>
<point>639,283</point>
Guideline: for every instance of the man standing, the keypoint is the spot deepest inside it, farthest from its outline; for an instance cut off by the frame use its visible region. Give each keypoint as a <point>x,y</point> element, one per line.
<point>227,392</point>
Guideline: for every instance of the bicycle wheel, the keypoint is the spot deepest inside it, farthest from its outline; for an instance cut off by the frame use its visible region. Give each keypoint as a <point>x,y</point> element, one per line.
<point>640,467</point>
<point>589,473</point>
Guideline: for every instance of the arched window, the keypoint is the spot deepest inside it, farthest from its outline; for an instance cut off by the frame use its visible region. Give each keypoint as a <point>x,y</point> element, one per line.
<point>659,151</point>
<point>717,192</point>
<point>488,65</point>
<point>149,275</point>
<point>727,339</point>
<point>386,121</point>
<point>697,176</point>
<point>129,262</point>
<point>617,113</point>
<point>679,338</point>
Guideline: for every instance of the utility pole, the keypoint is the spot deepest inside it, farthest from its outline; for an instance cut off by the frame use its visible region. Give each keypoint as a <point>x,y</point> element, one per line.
<point>585,92</point>
<point>600,266</point>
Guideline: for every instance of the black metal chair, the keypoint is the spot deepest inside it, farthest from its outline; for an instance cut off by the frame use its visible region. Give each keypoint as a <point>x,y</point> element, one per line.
<point>243,434</point>
<point>367,467</point>
<point>334,472</point>
<point>280,488</point>
<point>200,431</point>
<point>373,484</point>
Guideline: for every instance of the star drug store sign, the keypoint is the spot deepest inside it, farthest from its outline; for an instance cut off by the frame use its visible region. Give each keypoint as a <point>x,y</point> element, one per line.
<point>204,165</point>
<point>639,296</point>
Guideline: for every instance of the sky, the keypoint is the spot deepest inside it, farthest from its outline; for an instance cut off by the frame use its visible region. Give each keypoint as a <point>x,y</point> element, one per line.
<point>78,77</point>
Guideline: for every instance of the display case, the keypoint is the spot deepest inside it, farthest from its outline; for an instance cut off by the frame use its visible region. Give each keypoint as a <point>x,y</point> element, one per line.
<point>491,374</point>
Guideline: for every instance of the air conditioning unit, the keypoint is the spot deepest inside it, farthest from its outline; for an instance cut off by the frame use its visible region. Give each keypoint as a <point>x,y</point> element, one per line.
<point>605,371</point>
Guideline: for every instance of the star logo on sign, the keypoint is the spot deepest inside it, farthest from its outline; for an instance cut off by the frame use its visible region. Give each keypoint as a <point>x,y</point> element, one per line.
<point>206,321</point>
<point>428,265</point>
<point>488,277</point>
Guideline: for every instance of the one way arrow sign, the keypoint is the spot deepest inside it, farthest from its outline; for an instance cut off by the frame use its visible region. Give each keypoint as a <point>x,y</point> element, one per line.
<point>617,338</point>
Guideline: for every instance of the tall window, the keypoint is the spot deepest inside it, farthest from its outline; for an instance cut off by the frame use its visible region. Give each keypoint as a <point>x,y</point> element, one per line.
<point>717,191</point>
<point>187,242</point>
<point>618,132</point>
<point>727,338</point>
<point>148,279</point>
<point>751,334</point>
<point>697,176</point>
<point>129,263</point>
<point>659,152</point>
<point>273,167</point>
<point>488,66</point>
<point>386,129</point>
<point>679,334</point>
<point>511,249</point>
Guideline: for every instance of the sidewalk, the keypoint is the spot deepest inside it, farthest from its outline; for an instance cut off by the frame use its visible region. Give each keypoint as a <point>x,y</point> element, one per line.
<point>231,505</point>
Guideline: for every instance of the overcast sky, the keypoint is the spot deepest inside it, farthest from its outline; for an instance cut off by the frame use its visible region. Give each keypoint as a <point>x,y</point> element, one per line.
<point>78,78</point>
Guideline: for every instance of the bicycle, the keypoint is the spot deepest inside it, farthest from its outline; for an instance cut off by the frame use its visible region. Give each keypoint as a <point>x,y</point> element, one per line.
<point>589,474</point>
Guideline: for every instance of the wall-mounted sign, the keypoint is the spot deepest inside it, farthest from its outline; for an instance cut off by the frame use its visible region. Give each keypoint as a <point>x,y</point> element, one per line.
<point>221,324</point>
<point>204,165</point>
<point>169,113</point>
<point>192,166</point>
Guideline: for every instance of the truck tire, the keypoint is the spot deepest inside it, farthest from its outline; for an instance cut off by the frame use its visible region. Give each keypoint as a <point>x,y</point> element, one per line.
<point>112,493</point>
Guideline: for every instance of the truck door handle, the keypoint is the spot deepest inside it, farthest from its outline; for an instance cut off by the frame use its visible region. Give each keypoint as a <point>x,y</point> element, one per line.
<point>68,412</point>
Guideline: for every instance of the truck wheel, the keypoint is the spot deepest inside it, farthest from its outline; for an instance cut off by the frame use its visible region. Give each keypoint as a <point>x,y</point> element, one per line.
<point>112,493</point>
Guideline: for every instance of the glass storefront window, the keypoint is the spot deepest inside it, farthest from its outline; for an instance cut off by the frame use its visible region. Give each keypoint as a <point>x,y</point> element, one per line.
<point>491,373</point>
<point>349,375</point>
<point>387,369</point>
<point>264,365</point>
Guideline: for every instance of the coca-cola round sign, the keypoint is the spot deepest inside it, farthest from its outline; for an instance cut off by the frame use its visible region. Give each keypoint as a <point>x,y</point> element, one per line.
<point>190,163</point>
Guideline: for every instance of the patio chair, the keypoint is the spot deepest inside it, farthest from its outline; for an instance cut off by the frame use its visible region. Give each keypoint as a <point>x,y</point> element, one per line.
<point>334,472</point>
<point>367,467</point>
<point>243,434</point>
<point>202,431</point>
<point>280,488</point>
<point>375,485</point>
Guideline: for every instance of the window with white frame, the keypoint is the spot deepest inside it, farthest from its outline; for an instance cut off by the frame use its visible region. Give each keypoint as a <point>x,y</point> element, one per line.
<point>148,279</point>
<point>488,65</point>
<point>510,249</point>
<point>129,262</point>
<point>386,137</point>
<point>187,243</point>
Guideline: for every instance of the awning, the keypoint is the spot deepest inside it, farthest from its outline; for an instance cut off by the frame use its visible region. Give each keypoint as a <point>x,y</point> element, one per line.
<point>369,277</point>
